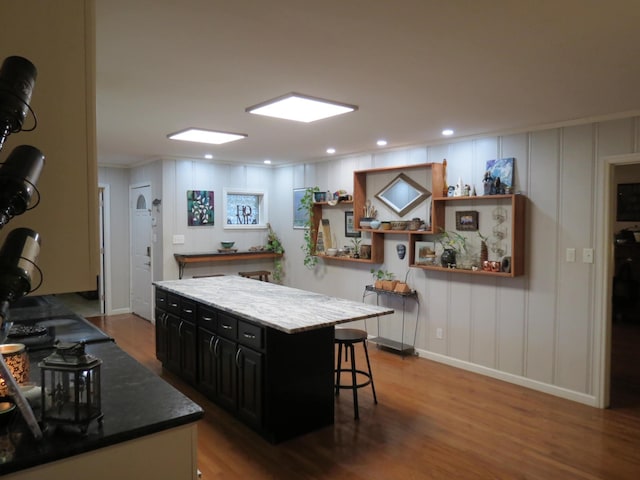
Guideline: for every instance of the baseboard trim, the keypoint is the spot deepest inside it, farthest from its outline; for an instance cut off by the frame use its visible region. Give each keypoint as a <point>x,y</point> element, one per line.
<point>511,378</point>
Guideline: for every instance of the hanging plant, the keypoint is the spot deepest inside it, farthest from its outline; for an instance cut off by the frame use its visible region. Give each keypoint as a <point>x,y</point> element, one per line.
<point>274,245</point>
<point>306,206</point>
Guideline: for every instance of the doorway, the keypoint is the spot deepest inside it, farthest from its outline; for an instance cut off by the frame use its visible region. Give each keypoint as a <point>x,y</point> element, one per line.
<point>625,308</point>
<point>141,254</point>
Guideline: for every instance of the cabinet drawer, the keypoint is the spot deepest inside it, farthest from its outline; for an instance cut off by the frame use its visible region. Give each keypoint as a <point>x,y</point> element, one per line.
<point>188,310</point>
<point>227,326</point>
<point>207,318</point>
<point>173,303</point>
<point>250,335</point>
<point>161,299</point>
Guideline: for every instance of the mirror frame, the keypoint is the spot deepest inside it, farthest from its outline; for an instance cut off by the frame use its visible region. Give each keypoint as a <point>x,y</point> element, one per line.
<point>401,210</point>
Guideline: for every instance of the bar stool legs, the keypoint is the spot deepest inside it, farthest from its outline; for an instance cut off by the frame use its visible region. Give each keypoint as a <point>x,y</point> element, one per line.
<point>349,337</point>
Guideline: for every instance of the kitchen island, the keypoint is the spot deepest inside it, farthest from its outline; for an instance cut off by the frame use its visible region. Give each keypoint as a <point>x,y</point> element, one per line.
<point>262,351</point>
<point>149,428</point>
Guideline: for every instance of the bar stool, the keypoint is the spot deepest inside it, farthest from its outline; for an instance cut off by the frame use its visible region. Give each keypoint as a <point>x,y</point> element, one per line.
<point>258,275</point>
<point>349,337</point>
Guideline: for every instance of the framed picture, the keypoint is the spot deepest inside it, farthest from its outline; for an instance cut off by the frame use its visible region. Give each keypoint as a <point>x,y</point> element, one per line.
<point>467,220</point>
<point>425,253</point>
<point>300,216</point>
<point>502,168</point>
<point>349,229</point>
<point>628,202</point>
<point>200,211</point>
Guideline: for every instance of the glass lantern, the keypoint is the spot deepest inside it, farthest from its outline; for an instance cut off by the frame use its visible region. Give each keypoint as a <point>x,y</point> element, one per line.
<point>71,387</point>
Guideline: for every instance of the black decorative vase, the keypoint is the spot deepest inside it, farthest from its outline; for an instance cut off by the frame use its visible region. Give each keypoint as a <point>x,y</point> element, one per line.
<point>448,258</point>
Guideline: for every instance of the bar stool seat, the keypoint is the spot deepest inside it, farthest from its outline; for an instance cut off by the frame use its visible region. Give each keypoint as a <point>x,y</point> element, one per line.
<point>348,337</point>
<point>257,274</point>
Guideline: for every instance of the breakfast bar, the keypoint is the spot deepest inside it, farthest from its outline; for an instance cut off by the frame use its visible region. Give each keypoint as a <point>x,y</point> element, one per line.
<point>262,351</point>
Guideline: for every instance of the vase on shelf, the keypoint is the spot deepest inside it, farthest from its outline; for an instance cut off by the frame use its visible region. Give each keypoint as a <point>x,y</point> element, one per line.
<point>448,258</point>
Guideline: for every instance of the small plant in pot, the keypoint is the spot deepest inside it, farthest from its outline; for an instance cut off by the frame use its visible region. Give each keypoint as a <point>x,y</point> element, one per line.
<point>452,244</point>
<point>383,280</point>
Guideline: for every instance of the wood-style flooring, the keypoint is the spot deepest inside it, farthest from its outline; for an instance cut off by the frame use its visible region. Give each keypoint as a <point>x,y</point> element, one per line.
<point>432,422</point>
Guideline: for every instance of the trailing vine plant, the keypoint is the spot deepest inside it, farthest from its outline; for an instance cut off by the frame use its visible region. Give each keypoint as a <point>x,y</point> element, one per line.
<point>274,245</point>
<point>306,206</point>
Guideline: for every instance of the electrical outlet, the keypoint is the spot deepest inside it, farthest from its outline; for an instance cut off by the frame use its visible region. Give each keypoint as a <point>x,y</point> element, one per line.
<point>178,239</point>
<point>439,333</point>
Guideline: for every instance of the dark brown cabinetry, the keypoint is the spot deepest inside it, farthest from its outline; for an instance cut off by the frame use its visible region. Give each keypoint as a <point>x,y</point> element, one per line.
<point>279,384</point>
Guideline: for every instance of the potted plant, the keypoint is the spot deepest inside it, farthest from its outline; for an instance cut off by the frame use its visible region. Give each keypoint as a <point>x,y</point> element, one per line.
<point>356,247</point>
<point>274,245</point>
<point>452,244</point>
<point>383,280</point>
<point>306,206</point>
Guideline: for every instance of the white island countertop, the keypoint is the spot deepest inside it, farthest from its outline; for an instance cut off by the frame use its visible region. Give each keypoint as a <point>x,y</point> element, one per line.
<point>290,310</point>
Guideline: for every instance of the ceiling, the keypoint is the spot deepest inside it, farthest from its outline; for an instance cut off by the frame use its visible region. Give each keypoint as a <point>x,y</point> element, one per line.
<point>413,67</point>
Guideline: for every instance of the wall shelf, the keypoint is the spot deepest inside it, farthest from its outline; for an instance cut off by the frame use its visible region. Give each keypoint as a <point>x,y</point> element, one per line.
<point>184,259</point>
<point>445,207</point>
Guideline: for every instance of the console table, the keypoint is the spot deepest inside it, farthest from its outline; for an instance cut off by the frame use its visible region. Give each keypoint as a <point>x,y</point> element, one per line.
<point>185,258</point>
<point>401,347</point>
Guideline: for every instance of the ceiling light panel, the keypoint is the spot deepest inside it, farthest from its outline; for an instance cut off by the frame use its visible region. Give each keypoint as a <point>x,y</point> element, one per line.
<point>300,108</point>
<point>206,136</point>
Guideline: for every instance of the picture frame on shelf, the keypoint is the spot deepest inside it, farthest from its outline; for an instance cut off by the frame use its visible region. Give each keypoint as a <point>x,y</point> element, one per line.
<point>467,220</point>
<point>349,227</point>
<point>425,253</point>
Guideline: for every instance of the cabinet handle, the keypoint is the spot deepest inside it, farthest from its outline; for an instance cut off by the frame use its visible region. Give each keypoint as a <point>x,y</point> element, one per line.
<point>250,336</point>
<point>180,329</point>
<point>207,319</point>
<point>210,342</point>
<point>187,310</point>
<point>173,304</point>
<point>160,300</point>
<point>227,327</point>
<point>216,352</point>
<point>238,357</point>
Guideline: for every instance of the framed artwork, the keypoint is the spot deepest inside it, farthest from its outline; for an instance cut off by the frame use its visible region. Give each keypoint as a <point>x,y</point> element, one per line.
<point>349,228</point>
<point>200,208</point>
<point>425,253</point>
<point>467,220</point>
<point>300,215</point>
<point>628,202</point>
<point>502,168</point>
<point>245,208</point>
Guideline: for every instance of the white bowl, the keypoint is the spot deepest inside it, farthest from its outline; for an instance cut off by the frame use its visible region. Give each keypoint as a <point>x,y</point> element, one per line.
<point>332,252</point>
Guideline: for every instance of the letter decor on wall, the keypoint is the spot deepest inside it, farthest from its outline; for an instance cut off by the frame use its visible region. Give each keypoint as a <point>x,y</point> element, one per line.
<point>200,208</point>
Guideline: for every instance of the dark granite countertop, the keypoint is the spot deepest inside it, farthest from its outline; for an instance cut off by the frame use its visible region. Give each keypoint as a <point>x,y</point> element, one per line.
<point>135,402</point>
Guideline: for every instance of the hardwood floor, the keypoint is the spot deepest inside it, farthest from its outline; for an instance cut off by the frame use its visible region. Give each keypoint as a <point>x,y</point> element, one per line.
<point>432,422</point>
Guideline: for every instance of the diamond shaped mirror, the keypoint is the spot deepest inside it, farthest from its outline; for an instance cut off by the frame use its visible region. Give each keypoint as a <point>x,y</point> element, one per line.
<point>402,194</point>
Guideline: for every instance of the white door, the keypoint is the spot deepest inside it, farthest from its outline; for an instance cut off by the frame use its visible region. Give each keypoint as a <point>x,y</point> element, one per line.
<point>141,251</point>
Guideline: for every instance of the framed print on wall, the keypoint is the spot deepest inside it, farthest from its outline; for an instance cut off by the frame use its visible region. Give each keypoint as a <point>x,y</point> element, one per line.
<point>467,220</point>
<point>300,215</point>
<point>349,229</point>
<point>200,208</point>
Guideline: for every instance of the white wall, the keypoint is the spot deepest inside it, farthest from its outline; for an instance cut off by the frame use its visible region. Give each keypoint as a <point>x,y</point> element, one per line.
<point>536,330</point>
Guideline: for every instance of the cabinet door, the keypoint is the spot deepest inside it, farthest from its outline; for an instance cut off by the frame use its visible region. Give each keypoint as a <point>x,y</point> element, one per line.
<point>188,355</point>
<point>161,335</point>
<point>173,343</point>
<point>250,386</point>
<point>207,363</point>
<point>226,374</point>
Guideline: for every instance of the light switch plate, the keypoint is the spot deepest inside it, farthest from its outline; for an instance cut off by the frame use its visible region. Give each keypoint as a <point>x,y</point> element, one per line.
<point>571,255</point>
<point>587,255</point>
<point>178,239</point>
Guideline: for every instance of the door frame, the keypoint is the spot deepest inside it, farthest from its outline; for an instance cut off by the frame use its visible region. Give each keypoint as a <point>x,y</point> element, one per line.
<point>605,215</point>
<point>104,286</point>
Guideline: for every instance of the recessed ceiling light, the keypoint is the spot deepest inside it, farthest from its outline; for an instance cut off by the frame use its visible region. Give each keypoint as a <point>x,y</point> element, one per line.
<point>301,108</point>
<point>206,136</point>
<point>331,151</point>
<point>208,156</point>
<point>381,143</point>
<point>447,132</point>
<point>267,162</point>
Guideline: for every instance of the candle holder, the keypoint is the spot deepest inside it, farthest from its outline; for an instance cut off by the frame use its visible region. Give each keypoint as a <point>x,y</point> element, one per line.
<point>71,387</point>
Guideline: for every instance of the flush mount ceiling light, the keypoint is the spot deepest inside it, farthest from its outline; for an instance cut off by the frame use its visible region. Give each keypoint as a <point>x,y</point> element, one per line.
<point>301,108</point>
<point>447,132</point>
<point>205,136</point>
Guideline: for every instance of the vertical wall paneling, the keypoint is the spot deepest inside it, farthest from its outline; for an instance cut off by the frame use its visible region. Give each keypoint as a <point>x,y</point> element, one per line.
<point>543,254</point>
